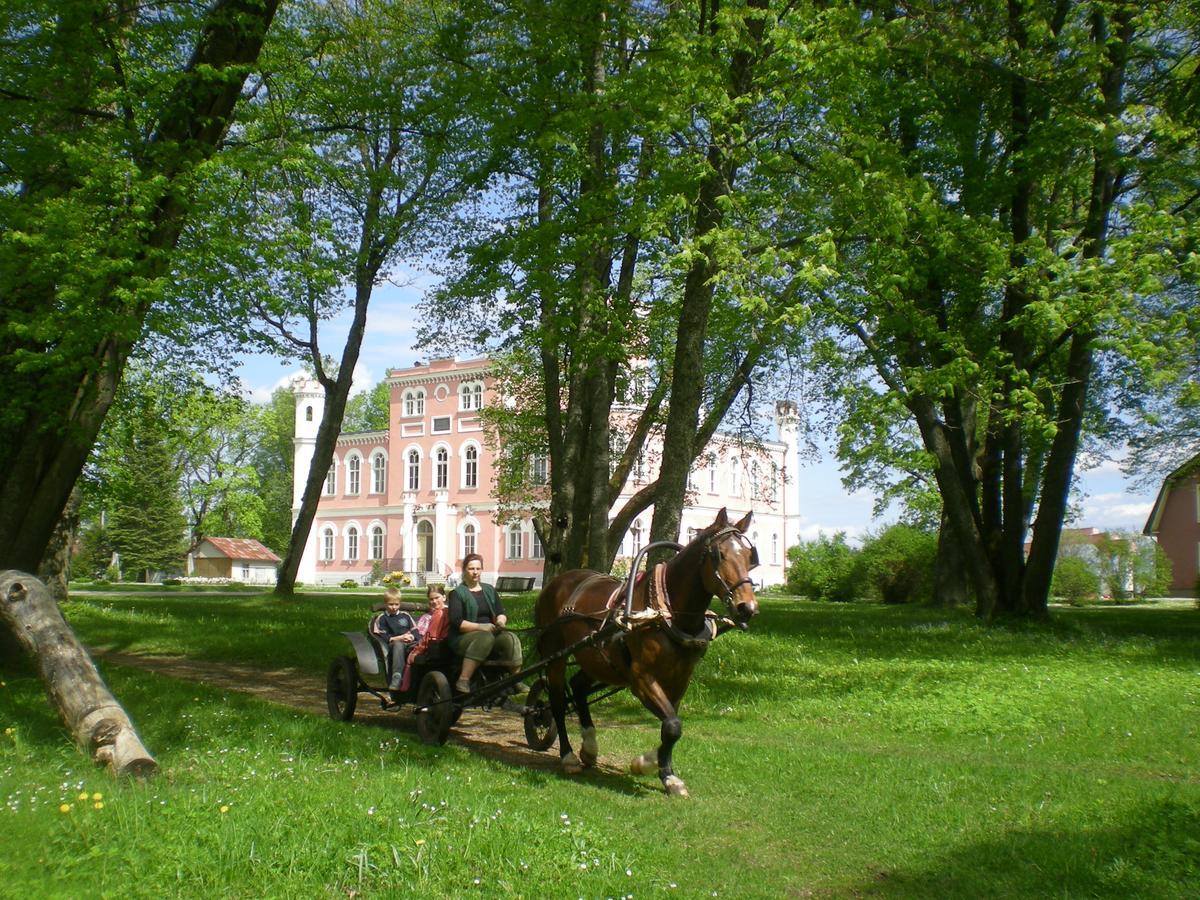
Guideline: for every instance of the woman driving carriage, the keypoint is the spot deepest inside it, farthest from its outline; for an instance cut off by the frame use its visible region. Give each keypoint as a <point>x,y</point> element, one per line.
<point>477,620</point>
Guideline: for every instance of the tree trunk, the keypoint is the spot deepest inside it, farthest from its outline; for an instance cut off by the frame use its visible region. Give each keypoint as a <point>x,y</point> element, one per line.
<point>56,563</point>
<point>96,721</point>
<point>950,585</point>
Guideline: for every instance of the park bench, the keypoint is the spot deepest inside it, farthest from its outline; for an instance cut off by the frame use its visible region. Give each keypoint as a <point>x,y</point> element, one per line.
<point>511,584</point>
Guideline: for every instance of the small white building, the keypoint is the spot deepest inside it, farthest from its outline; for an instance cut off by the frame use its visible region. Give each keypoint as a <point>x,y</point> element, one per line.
<point>238,559</point>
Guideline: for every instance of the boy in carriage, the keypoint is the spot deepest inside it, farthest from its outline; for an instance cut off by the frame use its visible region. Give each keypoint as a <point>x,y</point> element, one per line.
<point>398,630</point>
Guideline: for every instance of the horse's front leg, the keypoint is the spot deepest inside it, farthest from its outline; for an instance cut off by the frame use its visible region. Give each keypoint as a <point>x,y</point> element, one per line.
<point>556,684</point>
<point>655,699</point>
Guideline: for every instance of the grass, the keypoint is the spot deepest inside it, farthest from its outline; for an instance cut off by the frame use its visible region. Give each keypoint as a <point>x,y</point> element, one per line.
<point>835,750</point>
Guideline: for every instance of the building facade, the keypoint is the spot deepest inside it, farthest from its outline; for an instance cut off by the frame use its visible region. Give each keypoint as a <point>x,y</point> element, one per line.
<point>416,497</point>
<point>1175,523</point>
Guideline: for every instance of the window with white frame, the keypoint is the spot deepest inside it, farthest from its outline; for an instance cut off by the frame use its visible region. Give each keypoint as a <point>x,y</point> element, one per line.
<point>441,468</point>
<point>515,543</point>
<point>353,473</point>
<point>468,539</point>
<point>639,468</point>
<point>440,425</point>
<point>377,541</point>
<point>774,549</point>
<point>536,550</point>
<point>352,542</point>
<point>735,477</point>
<point>470,395</point>
<point>635,539</point>
<point>327,543</point>
<point>414,402</point>
<point>712,477</point>
<point>539,468</point>
<point>308,414</point>
<point>414,470</point>
<point>331,480</point>
<point>378,473</point>
<point>471,467</point>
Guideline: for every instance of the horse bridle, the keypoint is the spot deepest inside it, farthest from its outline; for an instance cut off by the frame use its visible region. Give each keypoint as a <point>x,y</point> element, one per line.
<point>712,549</point>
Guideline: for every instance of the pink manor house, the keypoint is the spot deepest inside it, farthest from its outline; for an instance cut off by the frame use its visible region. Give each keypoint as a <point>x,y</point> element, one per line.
<point>417,497</point>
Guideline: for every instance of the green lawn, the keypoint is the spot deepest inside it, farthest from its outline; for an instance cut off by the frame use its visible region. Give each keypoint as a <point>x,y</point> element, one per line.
<point>835,750</point>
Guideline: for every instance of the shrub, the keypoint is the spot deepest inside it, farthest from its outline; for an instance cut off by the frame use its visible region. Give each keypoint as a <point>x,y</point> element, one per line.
<point>824,569</point>
<point>171,582</point>
<point>112,573</point>
<point>376,572</point>
<point>350,583</point>
<point>898,564</point>
<point>1075,581</point>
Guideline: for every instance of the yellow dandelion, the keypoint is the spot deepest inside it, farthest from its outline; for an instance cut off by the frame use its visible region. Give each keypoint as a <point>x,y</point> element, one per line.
<point>97,796</point>
<point>97,805</point>
<point>9,730</point>
<point>224,809</point>
<point>83,796</point>
<point>420,841</point>
<point>64,808</point>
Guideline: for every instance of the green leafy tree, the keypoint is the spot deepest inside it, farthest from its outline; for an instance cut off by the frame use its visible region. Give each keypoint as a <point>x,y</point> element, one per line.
<point>109,110</point>
<point>368,410</point>
<point>630,237</point>
<point>1003,249</point>
<point>146,521</point>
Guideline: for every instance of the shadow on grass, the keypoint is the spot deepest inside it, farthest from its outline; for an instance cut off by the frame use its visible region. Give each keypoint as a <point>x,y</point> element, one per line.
<point>1156,853</point>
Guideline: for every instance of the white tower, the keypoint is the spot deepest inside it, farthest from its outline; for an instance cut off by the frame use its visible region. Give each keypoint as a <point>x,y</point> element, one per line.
<point>787,420</point>
<point>310,407</point>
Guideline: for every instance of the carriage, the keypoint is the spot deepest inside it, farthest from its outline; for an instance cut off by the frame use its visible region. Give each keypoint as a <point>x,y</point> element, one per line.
<point>645,635</point>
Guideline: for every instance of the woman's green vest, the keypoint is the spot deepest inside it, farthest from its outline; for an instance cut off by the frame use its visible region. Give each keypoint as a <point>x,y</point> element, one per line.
<point>471,608</point>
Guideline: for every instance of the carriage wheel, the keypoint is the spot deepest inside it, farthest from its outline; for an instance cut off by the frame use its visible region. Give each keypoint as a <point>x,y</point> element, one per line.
<point>438,714</point>
<point>540,730</point>
<point>341,688</point>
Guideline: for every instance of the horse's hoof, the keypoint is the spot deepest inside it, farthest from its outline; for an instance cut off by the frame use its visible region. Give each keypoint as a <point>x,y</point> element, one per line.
<point>571,764</point>
<point>646,764</point>
<point>675,786</point>
<point>590,750</point>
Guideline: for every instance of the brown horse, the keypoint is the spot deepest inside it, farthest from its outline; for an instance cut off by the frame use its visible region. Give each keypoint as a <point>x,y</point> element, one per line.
<point>666,636</point>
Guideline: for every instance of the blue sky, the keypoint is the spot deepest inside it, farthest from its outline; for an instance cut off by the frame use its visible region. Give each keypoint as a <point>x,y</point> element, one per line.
<point>1108,501</point>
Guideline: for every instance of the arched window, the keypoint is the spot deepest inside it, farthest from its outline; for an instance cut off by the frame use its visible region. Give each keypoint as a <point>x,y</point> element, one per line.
<point>308,414</point>
<point>377,542</point>
<point>352,542</point>
<point>414,470</point>
<point>635,538</point>
<point>331,480</point>
<point>327,543</point>
<point>378,473</point>
<point>536,550</point>
<point>414,402</point>
<point>354,473</point>
<point>470,395</point>
<point>469,535</point>
<point>515,543</point>
<point>441,469</point>
<point>471,467</point>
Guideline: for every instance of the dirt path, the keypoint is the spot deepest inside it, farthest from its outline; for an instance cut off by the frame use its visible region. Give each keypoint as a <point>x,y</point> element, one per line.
<point>496,734</point>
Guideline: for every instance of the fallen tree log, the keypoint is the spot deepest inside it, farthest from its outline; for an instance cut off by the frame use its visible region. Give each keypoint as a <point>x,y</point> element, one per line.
<point>97,722</point>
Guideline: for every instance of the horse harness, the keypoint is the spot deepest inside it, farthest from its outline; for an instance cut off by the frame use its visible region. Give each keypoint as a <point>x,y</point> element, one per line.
<point>658,612</point>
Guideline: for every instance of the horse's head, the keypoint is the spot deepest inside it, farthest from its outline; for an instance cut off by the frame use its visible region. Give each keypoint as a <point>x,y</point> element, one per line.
<point>729,557</point>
